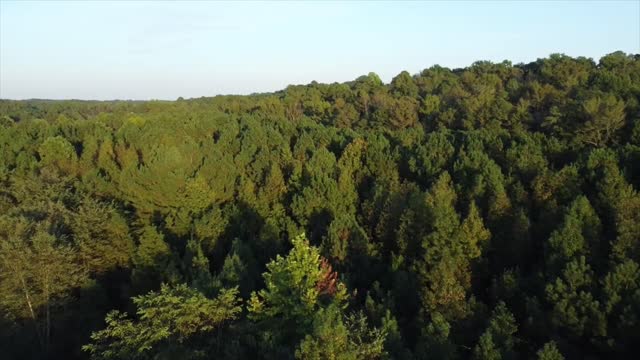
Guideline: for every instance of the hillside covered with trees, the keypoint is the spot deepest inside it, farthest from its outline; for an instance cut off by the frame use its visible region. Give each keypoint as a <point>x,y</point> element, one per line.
<point>489,212</point>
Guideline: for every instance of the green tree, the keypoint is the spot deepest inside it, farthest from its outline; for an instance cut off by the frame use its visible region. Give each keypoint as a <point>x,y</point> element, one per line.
<point>153,260</point>
<point>404,85</point>
<point>169,324</point>
<point>574,305</point>
<point>498,340</point>
<point>38,273</point>
<point>604,116</point>
<point>549,352</point>
<point>336,338</point>
<point>449,247</point>
<point>60,154</point>
<point>296,286</point>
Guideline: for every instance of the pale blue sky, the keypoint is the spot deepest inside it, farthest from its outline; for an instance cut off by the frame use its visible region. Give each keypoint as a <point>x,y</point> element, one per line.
<point>163,50</point>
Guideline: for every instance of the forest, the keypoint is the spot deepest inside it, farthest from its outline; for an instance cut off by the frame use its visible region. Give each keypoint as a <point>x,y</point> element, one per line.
<point>486,212</point>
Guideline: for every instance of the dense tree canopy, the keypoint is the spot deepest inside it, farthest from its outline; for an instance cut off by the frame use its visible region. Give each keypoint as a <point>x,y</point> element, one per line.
<point>487,212</point>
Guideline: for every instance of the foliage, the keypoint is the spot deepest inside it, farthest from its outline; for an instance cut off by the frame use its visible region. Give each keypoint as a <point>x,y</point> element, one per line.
<point>491,211</point>
<point>165,320</point>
